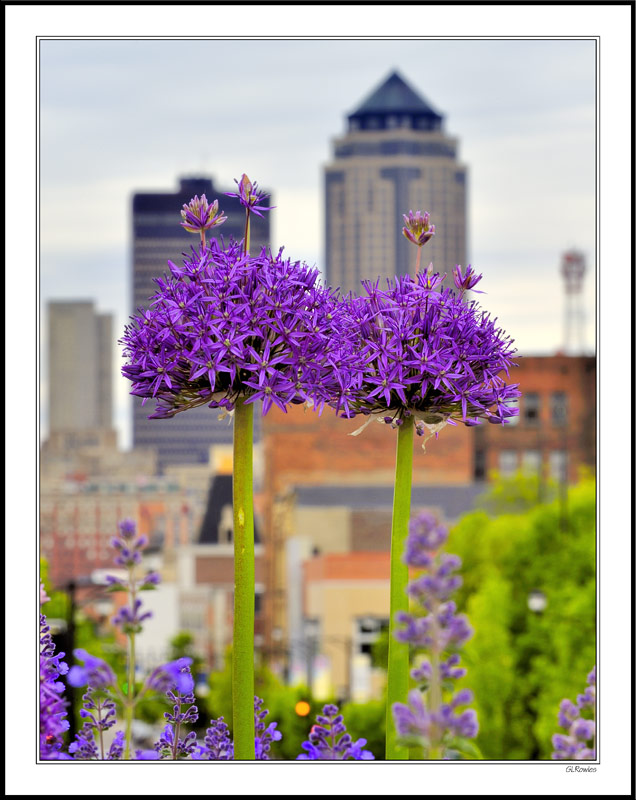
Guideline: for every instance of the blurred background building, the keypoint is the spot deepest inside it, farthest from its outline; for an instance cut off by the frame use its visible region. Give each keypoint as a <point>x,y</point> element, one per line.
<point>394,157</point>
<point>157,237</point>
<point>80,367</point>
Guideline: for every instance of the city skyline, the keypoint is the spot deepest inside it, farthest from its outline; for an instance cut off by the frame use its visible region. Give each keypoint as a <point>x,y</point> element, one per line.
<point>526,133</point>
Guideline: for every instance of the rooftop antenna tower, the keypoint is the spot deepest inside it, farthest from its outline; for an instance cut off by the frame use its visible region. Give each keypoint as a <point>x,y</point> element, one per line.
<point>573,270</point>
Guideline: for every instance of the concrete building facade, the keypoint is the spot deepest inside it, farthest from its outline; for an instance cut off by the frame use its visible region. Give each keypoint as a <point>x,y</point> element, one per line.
<point>80,367</point>
<point>395,157</point>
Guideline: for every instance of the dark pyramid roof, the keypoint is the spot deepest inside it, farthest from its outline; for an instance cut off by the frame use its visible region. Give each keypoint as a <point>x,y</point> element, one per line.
<point>395,96</point>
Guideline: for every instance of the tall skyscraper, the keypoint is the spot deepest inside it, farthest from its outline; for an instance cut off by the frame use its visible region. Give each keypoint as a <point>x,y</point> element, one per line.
<point>157,238</point>
<point>80,367</point>
<point>395,157</point>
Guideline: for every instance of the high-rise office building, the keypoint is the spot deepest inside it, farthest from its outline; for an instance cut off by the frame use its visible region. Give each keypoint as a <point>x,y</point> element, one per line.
<point>157,238</point>
<point>395,157</point>
<point>80,367</point>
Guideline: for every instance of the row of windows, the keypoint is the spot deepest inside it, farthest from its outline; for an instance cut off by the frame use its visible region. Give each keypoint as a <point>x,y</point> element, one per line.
<point>531,462</point>
<point>530,409</point>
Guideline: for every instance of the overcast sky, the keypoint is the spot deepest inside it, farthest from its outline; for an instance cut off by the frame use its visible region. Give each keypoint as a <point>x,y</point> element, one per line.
<point>123,116</point>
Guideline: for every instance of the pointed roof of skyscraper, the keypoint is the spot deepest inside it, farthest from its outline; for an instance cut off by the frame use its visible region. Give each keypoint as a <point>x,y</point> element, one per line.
<point>394,97</point>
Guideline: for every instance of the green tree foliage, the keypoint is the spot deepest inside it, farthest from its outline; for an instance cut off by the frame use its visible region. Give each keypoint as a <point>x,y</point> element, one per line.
<point>522,663</point>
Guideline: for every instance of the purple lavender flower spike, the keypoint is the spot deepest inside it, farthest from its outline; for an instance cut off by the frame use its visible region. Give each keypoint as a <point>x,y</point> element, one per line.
<point>53,706</point>
<point>431,717</point>
<point>170,676</point>
<point>217,745</point>
<point>265,735</point>
<point>329,740</point>
<point>249,196</point>
<point>184,712</point>
<point>578,743</point>
<point>95,673</point>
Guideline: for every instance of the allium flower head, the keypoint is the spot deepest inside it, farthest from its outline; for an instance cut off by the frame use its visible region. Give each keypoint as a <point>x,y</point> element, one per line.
<point>199,215</point>
<point>249,196</point>
<point>428,355</point>
<point>417,227</point>
<point>227,325</point>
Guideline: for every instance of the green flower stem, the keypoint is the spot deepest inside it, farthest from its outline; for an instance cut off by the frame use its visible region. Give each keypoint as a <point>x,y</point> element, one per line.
<point>130,700</point>
<point>398,666</point>
<point>243,636</point>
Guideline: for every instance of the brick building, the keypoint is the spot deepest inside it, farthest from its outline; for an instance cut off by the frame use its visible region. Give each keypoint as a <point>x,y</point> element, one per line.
<point>555,432</point>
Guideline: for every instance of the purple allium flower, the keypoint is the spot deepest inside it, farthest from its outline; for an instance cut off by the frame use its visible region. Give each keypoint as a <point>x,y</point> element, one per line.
<point>44,598</point>
<point>217,744</point>
<point>467,280</point>
<point>578,742</point>
<point>426,354</point>
<point>264,735</point>
<point>199,215</point>
<point>249,196</point>
<point>329,740</point>
<point>96,673</point>
<point>52,704</point>
<point>417,228</point>
<point>430,717</point>
<point>228,325</point>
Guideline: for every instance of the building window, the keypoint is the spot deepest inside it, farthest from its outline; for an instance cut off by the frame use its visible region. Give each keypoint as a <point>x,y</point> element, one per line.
<point>531,462</point>
<point>559,409</point>
<point>366,633</point>
<point>559,465</point>
<point>507,462</point>
<point>480,465</point>
<point>510,421</point>
<point>531,408</point>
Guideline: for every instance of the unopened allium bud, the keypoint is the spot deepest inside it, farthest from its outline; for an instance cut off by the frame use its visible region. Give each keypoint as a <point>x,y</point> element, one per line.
<point>417,228</point>
<point>249,196</point>
<point>199,215</point>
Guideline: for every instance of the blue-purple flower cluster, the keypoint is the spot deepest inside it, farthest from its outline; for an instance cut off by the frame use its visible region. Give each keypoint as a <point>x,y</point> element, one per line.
<point>129,546</point>
<point>432,718</point>
<point>98,711</point>
<point>218,745</point>
<point>226,325</point>
<point>184,712</point>
<point>53,722</point>
<point>427,355</point>
<point>329,740</point>
<point>578,742</point>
